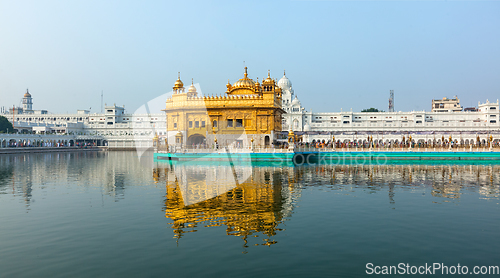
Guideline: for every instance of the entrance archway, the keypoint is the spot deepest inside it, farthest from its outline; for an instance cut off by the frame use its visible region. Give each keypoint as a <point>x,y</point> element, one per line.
<point>267,140</point>
<point>195,139</point>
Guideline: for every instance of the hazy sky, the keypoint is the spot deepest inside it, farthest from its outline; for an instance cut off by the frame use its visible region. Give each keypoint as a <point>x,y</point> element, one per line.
<point>338,54</point>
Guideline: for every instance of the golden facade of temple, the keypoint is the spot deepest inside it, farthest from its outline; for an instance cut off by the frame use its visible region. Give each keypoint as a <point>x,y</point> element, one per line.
<point>249,113</point>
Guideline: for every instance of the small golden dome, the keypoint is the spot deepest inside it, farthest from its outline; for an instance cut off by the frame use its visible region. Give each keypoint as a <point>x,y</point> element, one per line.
<point>178,83</point>
<point>268,80</point>
<point>244,82</point>
<point>192,88</point>
<point>27,94</point>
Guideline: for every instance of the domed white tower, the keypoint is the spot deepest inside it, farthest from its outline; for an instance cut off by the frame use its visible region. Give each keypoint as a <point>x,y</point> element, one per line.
<point>27,102</point>
<point>285,83</point>
<point>192,90</point>
<point>291,105</point>
<point>286,87</point>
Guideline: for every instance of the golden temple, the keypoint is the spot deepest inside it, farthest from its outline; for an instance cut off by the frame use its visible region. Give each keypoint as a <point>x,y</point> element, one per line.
<point>249,113</point>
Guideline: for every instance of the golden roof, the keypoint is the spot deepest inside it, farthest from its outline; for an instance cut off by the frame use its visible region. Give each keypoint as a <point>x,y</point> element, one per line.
<point>244,82</point>
<point>178,83</point>
<point>268,80</point>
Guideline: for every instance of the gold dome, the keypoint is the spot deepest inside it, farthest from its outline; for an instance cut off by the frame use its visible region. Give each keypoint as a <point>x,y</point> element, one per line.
<point>244,82</point>
<point>178,83</point>
<point>268,80</point>
<point>27,94</point>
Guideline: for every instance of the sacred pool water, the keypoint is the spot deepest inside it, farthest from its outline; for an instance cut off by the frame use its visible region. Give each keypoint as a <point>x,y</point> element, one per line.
<point>112,215</point>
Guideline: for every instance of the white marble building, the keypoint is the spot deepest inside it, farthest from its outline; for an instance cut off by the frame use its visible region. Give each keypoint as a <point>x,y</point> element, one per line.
<point>294,117</point>
<point>116,127</point>
<point>346,125</point>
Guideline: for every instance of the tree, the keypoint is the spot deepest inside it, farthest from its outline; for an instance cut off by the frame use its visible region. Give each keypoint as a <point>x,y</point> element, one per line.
<point>5,125</point>
<point>372,110</point>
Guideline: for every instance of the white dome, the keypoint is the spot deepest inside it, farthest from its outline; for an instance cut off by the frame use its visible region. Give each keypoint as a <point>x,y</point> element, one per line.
<point>285,83</point>
<point>307,127</point>
<point>295,101</point>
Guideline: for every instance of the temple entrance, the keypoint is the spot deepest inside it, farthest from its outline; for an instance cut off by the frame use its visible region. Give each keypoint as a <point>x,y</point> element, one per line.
<point>195,139</point>
<point>266,140</point>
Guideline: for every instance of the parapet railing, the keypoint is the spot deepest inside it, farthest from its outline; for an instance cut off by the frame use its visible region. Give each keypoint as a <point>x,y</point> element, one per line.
<point>400,149</point>
<point>473,148</point>
<point>172,149</point>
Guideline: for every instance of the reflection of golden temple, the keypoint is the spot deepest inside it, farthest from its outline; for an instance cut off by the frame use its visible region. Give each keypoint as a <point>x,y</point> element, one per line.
<point>257,205</point>
<point>248,108</point>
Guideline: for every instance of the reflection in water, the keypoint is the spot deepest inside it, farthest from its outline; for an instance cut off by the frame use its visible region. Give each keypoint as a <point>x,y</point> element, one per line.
<point>447,181</point>
<point>8,181</point>
<point>257,205</point>
<point>198,184</point>
<point>19,173</point>
<point>56,210</point>
<point>267,198</point>
<point>221,195</point>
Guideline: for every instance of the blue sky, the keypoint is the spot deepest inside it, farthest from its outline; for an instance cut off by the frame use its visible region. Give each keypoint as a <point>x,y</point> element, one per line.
<point>338,54</point>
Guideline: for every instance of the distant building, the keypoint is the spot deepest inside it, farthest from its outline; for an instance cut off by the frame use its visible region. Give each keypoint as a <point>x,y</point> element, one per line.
<point>446,105</point>
<point>27,107</point>
<point>445,118</point>
<point>115,127</point>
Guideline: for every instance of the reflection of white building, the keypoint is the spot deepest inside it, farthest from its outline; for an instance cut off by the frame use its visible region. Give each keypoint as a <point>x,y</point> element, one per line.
<point>447,120</point>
